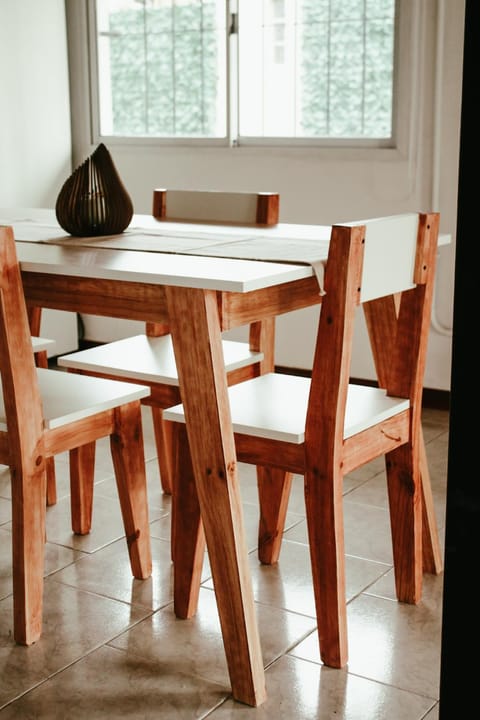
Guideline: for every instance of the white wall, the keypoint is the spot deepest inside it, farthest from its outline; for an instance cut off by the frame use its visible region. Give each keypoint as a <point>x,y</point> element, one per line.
<point>35,133</point>
<point>35,136</point>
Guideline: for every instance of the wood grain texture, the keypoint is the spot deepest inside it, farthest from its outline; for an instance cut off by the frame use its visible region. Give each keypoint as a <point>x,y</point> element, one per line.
<point>198,353</point>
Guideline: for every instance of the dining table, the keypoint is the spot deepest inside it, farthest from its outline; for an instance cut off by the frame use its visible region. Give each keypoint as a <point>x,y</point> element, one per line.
<point>201,279</point>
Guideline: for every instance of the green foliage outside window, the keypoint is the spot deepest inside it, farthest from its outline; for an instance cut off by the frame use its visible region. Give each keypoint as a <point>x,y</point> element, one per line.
<point>164,59</point>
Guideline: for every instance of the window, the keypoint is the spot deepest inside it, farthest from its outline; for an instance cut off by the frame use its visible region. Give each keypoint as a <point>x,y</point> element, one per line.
<point>244,71</point>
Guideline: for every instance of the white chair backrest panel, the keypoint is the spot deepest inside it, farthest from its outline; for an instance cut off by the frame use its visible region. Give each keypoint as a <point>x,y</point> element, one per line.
<point>212,205</point>
<point>389,257</point>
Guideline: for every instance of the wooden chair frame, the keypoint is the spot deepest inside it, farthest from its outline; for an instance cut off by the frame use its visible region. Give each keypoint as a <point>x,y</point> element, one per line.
<point>398,326</point>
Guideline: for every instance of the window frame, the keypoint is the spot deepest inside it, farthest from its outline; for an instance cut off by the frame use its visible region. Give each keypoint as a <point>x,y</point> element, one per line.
<point>409,20</point>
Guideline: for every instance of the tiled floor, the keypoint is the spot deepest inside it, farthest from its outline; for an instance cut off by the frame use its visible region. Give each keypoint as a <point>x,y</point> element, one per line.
<point>112,648</point>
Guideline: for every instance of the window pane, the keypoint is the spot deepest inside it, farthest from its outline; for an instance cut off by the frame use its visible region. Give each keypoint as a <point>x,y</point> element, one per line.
<point>316,68</point>
<point>319,69</point>
<point>162,67</point>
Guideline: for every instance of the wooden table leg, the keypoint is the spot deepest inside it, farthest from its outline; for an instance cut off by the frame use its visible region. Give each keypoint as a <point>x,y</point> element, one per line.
<point>196,338</point>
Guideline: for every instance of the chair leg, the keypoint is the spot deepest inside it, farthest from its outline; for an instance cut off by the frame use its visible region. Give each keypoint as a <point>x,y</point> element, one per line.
<point>188,538</point>
<point>324,510</point>
<point>405,502</point>
<point>51,481</point>
<point>432,553</point>
<point>28,547</point>
<point>128,456</point>
<point>274,485</point>
<point>163,441</point>
<point>41,360</point>
<point>262,338</point>
<point>82,470</point>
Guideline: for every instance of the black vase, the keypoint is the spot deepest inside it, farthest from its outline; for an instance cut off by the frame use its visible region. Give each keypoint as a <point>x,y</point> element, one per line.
<point>93,200</point>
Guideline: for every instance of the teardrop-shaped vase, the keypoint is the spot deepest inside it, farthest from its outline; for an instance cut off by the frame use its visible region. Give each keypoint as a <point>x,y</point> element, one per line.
<point>93,200</point>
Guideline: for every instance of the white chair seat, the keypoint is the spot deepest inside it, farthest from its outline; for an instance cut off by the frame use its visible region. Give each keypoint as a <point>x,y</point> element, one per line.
<point>40,343</point>
<point>148,359</point>
<point>69,397</point>
<point>258,407</point>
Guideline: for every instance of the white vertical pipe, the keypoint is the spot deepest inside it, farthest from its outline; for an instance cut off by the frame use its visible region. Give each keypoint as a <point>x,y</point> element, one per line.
<point>438,326</point>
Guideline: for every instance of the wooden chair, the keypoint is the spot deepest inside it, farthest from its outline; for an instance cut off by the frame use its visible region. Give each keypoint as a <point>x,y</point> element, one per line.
<point>148,358</point>
<point>44,412</point>
<point>325,427</point>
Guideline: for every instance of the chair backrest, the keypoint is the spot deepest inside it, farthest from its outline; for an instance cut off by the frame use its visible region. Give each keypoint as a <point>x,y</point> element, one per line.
<point>17,366</point>
<point>216,206</point>
<point>369,264</point>
<point>389,255</point>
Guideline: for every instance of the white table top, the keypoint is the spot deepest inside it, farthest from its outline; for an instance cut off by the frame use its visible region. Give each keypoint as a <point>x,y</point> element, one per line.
<point>42,246</point>
<point>207,256</point>
<point>158,268</point>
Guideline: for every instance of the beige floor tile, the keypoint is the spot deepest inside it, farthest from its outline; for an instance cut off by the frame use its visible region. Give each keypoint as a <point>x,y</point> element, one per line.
<point>195,646</point>
<point>391,643</point>
<point>109,684</point>
<point>299,689</point>
<point>74,624</point>
<point>107,572</point>
<point>56,557</point>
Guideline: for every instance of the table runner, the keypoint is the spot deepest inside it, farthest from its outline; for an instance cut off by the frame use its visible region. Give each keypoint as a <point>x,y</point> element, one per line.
<point>221,242</point>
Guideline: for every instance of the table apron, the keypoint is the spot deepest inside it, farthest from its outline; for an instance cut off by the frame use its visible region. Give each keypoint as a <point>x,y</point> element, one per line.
<point>110,298</point>
<point>147,302</point>
<point>236,309</point>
